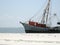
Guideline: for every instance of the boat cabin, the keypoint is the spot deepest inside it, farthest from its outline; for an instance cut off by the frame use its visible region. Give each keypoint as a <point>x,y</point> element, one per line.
<point>36,24</point>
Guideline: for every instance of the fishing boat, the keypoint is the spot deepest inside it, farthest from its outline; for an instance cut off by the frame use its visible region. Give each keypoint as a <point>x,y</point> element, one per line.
<point>42,27</point>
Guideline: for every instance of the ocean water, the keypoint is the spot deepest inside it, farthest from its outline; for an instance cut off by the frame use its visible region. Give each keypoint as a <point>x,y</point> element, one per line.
<point>12,30</point>
<point>17,36</point>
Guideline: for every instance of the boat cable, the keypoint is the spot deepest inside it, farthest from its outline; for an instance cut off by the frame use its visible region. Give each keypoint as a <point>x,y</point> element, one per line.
<point>37,12</point>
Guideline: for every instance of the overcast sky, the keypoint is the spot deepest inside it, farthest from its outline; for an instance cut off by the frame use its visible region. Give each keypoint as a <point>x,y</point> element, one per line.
<point>13,11</point>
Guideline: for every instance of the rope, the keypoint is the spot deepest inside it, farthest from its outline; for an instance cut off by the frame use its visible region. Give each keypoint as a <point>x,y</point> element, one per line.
<point>37,12</point>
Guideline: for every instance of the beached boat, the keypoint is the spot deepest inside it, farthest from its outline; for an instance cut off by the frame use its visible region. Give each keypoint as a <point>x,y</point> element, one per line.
<point>36,27</point>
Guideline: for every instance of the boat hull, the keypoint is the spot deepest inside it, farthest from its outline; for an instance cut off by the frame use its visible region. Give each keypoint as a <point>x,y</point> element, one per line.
<point>34,29</point>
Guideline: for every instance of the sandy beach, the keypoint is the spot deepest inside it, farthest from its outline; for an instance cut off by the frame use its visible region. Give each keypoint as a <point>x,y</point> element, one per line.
<point>29,39</point>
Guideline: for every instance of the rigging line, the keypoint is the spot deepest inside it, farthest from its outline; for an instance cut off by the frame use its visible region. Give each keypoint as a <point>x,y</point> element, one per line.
<point>38,11</point>
<point>56,17</point>
<point>34,15</point>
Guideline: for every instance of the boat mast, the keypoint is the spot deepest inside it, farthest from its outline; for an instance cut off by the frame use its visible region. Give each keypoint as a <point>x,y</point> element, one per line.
<point>46,13</point>
<point>48,7</point>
